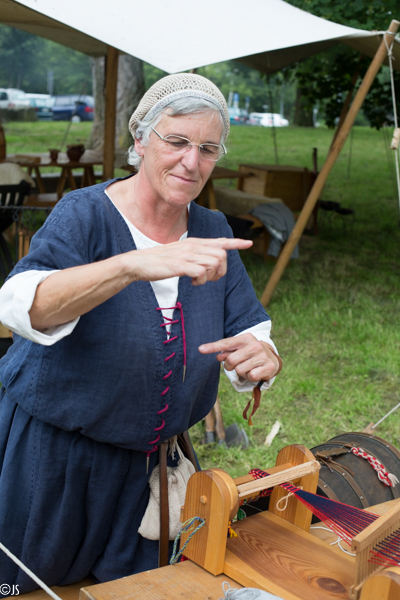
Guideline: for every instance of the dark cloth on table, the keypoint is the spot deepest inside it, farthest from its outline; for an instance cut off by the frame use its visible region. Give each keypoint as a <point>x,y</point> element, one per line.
<point>279,221</point>
<point>78,418</point>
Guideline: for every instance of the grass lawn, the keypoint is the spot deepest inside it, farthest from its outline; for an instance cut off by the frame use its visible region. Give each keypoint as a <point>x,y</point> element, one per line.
<point>42,135</point>
<point>336,311</point>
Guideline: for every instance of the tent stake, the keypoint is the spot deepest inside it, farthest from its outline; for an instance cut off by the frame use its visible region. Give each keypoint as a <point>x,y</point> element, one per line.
<point>110,110</point>
<point>334,152</point>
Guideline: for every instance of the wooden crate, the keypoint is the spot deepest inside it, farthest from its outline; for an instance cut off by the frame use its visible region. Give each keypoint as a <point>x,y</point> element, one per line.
<point>291,184</point>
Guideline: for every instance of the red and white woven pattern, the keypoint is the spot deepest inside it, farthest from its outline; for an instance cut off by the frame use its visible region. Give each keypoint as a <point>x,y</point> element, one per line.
<point>386,478</point>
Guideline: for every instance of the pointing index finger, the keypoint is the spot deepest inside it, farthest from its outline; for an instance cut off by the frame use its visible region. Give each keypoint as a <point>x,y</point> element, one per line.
<point>220,346</point>
<point>226,243</point>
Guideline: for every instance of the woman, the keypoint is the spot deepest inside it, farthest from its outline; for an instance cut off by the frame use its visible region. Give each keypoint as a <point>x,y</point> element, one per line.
<point>127,294</point>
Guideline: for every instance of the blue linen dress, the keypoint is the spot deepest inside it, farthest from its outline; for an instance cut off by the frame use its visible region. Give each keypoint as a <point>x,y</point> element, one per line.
<point>78,419</point>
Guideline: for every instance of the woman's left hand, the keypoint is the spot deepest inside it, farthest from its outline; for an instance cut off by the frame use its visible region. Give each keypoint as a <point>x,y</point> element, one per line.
<point>252,359</point>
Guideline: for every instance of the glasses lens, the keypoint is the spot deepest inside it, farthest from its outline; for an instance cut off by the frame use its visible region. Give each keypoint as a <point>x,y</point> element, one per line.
<point>176,143</point>
<point>211,151</point>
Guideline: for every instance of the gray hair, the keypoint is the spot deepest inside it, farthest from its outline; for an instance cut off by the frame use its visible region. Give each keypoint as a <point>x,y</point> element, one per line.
<point>181,106</point>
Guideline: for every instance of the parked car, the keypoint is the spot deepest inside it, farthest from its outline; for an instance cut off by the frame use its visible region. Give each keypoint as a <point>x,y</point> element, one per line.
<point>73,107</point>
<point>13,98</point>
<point>268,120</point>
<point>238,116</point>
<point>42,103</point>
<point>254,119</point>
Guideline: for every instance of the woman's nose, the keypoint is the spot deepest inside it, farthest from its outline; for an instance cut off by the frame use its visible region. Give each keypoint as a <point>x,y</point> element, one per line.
<point>190,159</point>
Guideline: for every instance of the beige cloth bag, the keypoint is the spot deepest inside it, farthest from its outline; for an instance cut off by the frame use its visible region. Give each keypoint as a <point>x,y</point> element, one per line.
<point>177,482</point>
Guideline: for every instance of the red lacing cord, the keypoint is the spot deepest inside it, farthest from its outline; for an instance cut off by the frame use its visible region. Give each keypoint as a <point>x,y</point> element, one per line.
<point>169,321</point>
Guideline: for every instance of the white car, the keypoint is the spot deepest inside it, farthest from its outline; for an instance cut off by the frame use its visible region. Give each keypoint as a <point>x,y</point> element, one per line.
<point>268,120</point>
<point>13,98</point>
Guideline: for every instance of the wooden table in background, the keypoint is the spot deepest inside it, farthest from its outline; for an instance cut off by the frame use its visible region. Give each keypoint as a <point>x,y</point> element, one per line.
<point>36,162</point>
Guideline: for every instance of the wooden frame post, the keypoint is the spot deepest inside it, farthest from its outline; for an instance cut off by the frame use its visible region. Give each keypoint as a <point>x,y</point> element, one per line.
<point>3,149</point>
<point>109,113</point>
<point>330,161</point>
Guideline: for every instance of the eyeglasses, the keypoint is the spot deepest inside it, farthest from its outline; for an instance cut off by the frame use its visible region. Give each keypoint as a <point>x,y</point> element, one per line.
<point>179,145</point>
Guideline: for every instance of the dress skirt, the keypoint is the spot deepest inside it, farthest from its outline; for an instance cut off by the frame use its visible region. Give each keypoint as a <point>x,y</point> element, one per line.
<point>70,507</point>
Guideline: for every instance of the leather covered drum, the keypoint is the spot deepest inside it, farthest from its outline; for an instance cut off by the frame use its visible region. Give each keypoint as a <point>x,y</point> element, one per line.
<point>351,479</point>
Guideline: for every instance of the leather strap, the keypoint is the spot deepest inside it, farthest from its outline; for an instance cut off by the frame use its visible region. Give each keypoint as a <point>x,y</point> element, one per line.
<point>164,507</point>
<point>187,448</point>
<point>352,483</point>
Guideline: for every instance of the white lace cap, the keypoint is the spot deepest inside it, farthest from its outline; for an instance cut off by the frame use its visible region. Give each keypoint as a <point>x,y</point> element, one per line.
<point>180,85</point>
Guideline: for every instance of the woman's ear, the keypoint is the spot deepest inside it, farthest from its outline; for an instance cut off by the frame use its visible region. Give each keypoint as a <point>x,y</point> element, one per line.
<point>139,147</point>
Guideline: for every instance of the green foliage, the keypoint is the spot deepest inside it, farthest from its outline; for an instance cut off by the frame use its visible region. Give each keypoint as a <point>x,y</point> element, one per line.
<point>378,107</point>
<point>361,14</point>
<point>232,76</point>
<point>325,79</point>
<point>151,75</point>
<point>18,55</point>
<point>26,60</point>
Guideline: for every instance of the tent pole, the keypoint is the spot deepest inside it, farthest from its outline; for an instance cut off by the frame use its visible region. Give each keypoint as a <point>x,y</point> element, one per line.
<point>330,161</point>
<point>109,113</point>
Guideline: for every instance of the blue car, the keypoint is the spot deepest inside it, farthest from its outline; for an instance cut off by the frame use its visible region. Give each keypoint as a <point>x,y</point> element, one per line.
<point>73,108</point>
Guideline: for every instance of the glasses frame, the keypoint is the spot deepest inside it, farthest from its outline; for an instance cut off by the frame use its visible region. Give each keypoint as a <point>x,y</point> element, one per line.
<point>190,144</point>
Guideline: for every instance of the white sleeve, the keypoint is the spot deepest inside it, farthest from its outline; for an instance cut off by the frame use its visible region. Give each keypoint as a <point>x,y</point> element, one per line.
<point>16,299</point>
<point>261,332</point>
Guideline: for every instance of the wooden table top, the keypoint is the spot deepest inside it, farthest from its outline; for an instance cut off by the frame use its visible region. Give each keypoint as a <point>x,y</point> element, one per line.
<point>274,168</point>
<point>42,159</point>
<point>223,173</point>
<point>184,580</point>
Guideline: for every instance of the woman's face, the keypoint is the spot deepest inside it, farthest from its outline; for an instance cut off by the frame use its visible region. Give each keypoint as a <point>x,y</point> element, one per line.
<point>179,178</point>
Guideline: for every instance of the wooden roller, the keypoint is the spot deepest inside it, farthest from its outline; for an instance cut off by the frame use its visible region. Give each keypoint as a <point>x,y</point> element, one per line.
<point>214,496</point>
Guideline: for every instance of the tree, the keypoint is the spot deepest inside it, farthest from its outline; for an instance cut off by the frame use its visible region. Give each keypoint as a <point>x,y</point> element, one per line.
<point>130,89</point>
<point>325,79</point>
<point>18,50</point>
<point>26,60</point>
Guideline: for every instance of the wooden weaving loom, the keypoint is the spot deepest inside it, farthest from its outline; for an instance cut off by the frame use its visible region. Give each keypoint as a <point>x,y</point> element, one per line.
<point>273,549</point>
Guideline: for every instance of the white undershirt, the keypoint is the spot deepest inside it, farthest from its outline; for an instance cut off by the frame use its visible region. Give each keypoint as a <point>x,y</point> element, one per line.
<point>18,293</point>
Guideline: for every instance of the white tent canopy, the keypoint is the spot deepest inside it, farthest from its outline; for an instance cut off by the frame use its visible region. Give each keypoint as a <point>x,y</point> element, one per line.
<point>177,35</point>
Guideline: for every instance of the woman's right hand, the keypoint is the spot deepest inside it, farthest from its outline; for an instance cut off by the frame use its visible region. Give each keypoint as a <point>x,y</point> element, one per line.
<point>200,259</point>
<point>70,293</point>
